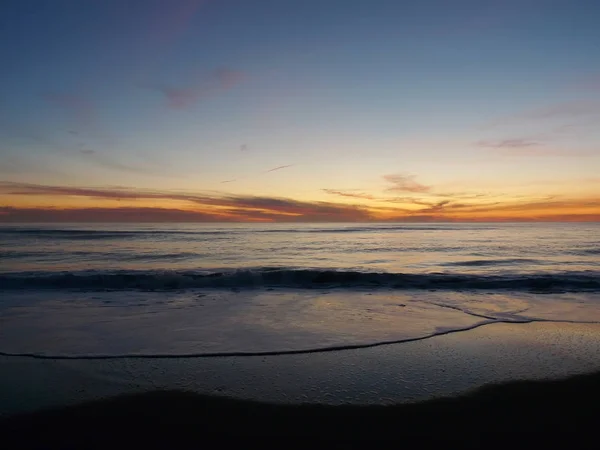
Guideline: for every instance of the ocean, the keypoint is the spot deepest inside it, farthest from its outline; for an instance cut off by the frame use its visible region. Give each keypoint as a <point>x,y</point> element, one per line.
<point>156,290</point>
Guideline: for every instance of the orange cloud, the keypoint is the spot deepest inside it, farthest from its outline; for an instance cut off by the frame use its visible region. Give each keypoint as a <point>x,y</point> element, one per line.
<point>151,205</point>
<point>404,183</point>
<point>231,207</point>
<point>350,194</point>
<point>126,214</point>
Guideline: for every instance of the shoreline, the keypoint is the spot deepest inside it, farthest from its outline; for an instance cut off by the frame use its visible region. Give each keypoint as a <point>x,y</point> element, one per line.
<point>440,366</point>
<point>307,351</point>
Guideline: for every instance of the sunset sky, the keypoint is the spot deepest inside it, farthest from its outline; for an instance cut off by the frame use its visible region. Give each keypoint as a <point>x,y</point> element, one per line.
<point>299,110</point>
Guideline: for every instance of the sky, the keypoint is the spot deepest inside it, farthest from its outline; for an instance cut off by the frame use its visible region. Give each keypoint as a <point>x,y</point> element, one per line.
<point>299,110</point>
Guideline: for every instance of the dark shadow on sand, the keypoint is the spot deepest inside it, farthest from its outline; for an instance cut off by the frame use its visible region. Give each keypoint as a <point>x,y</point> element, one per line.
<point>513,413</point>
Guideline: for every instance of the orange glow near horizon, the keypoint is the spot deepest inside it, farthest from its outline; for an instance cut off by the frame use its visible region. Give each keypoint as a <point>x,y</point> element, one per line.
<point>40,203</point>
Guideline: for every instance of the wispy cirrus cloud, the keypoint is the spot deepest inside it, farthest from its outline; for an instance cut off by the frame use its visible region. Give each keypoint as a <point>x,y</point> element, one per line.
<point>533,152</point>
<point>13,188</point>
<point>436,207</point>
<point>350,194</point>
<point>570,109</point>
<point>551,204</point>
<point>228,207</point>
<point>509,143</point>
<point>527,147</point>
<point>591,82</point>
<point>279,168</point>
<point>110,162</point>
<point>274,169</point>
<point>224,205</point>
<point>575,110</point>
<point>501,211</point>
<point>181,97</point>
<point>404,183</point>
<point>106,215</point>
<point>431,202</point>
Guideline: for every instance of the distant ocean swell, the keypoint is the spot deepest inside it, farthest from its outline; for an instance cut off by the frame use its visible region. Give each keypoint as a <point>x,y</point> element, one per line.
<point>128,234</point>
<point>585,281</point>
<point>156,256</point>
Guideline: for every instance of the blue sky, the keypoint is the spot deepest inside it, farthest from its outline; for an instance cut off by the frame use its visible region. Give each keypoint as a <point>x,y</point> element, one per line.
<point>210,95</point>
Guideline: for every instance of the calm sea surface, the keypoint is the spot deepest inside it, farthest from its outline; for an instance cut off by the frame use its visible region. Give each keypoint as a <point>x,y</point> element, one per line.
<point>194,289</point>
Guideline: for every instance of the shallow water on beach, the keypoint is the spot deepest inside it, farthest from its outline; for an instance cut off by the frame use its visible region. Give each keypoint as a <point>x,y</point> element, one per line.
<point>209,322</point>
<point>412,371</point>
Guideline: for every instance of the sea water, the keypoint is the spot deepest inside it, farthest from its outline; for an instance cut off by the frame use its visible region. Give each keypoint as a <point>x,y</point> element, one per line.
<point>151,290</point>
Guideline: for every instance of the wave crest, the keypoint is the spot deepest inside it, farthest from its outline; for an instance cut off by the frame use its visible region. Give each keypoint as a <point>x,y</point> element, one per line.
<point>298,278</point>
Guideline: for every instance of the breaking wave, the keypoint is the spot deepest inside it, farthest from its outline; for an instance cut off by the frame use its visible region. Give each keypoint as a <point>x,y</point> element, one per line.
<point>265,277</point>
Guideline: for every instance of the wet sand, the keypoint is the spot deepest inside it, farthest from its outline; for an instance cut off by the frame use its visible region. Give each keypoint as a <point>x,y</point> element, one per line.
<point>525,414</point>
<point>439,366</point>
<point>174,402</point>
